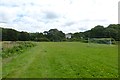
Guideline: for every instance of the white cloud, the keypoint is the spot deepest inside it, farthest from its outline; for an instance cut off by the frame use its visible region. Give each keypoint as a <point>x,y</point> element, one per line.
<point>65,15</point>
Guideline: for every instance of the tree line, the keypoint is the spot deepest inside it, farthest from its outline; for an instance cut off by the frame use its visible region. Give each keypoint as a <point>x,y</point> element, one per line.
<point>111,31</point>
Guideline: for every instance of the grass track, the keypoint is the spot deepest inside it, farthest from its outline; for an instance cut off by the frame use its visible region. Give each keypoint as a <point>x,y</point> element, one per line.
<point>64,60</point>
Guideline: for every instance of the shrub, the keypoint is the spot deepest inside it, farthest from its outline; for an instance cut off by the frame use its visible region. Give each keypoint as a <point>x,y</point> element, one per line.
<point>17,49</point>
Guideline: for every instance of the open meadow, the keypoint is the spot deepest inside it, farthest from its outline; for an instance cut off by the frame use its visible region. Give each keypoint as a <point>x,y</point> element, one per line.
<point>0,60</point>
<point>63,60</point>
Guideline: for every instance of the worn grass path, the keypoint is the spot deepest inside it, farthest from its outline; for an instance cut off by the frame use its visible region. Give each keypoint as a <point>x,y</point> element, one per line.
<point>64,60</point>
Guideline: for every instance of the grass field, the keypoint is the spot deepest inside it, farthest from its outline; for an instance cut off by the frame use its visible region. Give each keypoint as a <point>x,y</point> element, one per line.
<point>64,60</point>
<point>0,60</point>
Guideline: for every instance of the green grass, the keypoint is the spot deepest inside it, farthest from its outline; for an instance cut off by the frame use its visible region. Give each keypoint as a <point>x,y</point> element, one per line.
<point>64,60</point>
<point>0,60</point>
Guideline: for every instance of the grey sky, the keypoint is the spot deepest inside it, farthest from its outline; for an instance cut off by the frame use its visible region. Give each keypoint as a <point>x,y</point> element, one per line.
<point>65,15</point>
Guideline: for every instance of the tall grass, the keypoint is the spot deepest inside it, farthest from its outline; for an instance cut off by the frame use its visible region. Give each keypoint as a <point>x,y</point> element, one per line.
<point>13,48</point>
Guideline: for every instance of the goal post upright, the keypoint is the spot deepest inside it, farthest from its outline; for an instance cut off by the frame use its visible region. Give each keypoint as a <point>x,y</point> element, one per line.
<point>88,41</point>
<point>110,41</point>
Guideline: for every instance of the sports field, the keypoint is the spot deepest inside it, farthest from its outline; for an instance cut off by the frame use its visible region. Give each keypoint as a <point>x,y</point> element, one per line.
<point>63,60</point>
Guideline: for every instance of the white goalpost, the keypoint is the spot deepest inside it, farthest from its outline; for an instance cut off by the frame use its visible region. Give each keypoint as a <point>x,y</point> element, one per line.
<point>109,41</point>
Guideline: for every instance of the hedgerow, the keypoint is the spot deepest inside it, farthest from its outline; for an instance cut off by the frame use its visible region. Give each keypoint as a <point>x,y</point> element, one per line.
<point>17,49</point>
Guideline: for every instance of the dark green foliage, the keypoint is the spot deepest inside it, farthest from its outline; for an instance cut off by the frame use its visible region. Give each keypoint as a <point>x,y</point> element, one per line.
<point>9,35</point>
<point>17,49</point>
<point>97,32</point>
<point>112,31</point>
<point>0,34</point>
<point>55,35</point>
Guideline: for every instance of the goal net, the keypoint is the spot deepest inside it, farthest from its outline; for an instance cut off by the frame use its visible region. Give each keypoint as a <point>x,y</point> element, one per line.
<point>102,40</point>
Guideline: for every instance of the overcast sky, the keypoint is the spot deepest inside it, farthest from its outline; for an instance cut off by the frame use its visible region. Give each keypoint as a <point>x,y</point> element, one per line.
<point>65,15</point>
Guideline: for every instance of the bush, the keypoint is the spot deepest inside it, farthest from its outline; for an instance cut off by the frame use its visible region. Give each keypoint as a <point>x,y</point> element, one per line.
<point>17,49</point>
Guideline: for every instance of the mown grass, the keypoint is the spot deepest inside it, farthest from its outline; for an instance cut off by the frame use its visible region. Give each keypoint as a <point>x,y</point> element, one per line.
<point>64,60</point>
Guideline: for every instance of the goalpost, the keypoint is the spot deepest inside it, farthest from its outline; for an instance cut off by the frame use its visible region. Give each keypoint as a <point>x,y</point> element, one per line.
<point>101,41</point>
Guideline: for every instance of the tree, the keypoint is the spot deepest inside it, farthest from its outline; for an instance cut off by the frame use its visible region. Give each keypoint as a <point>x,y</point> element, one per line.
<point>0,34</point>
<point>55,35</point>
<point>24,36</point>
<point>9,35</point>
<point>78,36</point>
<point>112,31</point>
<point>97,32</point>
<point>87,34</point>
